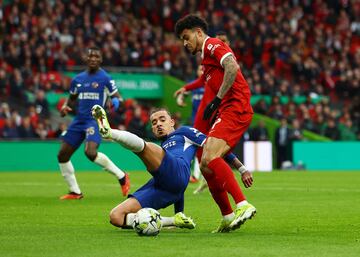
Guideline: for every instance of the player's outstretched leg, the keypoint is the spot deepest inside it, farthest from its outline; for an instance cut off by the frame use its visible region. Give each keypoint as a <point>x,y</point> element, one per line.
<point>99,115</point>
<point>242,214</point>
<point>182,221</point>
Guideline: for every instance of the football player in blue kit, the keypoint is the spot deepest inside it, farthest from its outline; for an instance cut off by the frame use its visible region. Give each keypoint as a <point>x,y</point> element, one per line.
<point>169,165</point>
<point>89,88</point>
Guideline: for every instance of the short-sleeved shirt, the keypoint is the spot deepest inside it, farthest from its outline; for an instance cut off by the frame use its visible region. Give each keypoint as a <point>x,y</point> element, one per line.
<point>91,89</point>
<point>171,179</point>
<point>214,51</point>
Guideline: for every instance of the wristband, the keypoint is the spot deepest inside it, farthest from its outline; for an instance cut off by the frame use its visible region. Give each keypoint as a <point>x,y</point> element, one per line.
<point>242,169</point>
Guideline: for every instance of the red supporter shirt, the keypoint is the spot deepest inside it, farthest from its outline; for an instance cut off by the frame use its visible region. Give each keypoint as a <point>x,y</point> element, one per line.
<point>214,51</point>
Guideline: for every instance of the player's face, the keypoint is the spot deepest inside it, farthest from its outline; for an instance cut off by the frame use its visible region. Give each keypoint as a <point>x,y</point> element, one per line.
<point>93,59</point>
<point>192,39</point>
<point>162,124</point>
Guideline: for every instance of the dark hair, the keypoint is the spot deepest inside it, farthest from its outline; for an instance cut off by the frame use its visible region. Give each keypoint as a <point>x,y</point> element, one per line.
<point>93,48</point>
<point>158,109</point>
<point>189,22</point>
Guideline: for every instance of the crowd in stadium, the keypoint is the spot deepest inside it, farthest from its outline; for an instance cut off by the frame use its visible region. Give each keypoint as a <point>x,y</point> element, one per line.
<point>285,48</point>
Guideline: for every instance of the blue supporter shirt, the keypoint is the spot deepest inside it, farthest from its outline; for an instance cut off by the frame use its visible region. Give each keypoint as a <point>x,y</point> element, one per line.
<point>91,89</point>
<point>183,142</point>
<point>197,95</point>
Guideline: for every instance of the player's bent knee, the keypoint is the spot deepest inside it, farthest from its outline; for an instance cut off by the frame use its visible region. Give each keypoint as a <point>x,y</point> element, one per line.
<point>91,155</point>
<point>62,157</point>
<point>116,218</point>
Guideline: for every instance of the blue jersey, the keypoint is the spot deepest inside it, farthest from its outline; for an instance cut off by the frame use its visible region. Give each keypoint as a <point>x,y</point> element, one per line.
<point>183,142</point>
<point>197,95</point>
<point>91,89</point>
<point>171,179</point>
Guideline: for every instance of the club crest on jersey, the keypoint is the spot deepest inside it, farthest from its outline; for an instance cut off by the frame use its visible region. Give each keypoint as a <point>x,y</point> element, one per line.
<point>94,84</point>
<point>90,131</point>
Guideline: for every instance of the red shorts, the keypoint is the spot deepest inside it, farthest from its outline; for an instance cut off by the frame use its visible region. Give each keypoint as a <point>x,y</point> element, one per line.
<point>230,126</point>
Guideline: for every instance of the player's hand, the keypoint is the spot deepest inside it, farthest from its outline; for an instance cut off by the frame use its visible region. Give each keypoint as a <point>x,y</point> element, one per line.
<point>65,109</point>
<point>211,107</point>
<point>180,96</point>
<point>179,91</point>
<point>247,179</point>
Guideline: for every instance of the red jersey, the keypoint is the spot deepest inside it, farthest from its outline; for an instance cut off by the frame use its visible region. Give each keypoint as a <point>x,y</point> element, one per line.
<point>214,51</point>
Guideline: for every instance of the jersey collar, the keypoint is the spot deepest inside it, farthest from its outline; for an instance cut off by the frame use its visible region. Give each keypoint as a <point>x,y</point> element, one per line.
<point>203,46</point>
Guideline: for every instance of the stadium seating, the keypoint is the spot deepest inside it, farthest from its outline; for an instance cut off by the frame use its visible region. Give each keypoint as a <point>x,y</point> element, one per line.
<point>287,49</point>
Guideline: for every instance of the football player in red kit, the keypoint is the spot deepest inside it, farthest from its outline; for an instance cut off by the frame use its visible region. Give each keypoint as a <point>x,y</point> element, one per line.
<point>232,103</point>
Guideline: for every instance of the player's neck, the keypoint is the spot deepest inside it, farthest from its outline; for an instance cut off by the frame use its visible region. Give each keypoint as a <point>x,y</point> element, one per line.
<point>92,71</point>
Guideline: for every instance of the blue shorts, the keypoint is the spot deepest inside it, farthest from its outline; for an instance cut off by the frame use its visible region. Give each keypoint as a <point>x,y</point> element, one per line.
<point>79,130</point>
<point>167,185</point>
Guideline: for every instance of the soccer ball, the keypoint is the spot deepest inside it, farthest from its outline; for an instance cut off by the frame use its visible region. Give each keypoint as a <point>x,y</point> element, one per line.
<point>147,222</point>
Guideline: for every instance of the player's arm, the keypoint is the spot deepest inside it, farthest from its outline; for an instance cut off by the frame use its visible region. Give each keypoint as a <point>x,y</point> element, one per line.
<point>116,99</point>
<point>181,92</point>
<point>69,105</point>
<point>246,175</point>
<point>230,70</point>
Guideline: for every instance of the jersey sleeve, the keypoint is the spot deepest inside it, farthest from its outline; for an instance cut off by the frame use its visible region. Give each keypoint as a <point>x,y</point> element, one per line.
<point>111,85</point>
<point>199,82</point>
<point>74,85</point>
<point>196,137</point>
<point>218,50</point>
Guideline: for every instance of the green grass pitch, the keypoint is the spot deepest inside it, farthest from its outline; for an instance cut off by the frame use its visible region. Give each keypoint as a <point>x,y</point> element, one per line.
<point>299,214</point>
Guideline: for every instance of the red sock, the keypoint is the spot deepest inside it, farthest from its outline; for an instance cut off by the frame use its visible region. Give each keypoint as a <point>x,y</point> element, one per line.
<point>218,193</point>
<point>225,176</point>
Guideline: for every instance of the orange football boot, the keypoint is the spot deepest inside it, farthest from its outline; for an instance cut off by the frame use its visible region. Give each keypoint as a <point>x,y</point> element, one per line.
<point>71,196</point>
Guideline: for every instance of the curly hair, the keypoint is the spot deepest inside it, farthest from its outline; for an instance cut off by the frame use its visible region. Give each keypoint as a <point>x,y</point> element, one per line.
<point>189,22</point>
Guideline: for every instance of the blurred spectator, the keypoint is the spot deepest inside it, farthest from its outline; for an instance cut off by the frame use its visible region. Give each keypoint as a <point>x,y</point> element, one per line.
<point>347,132</point>
<point>136,124</point>
<point>41,104</point>
<point>261,107</point>
<point>300,47</point>
<point>259,132</point>
<point>9,130</point>
<point>26,130</point>
<point>331,130</point>
<point>282,143</point>
<point>296,133</point>
<point>60,130</point>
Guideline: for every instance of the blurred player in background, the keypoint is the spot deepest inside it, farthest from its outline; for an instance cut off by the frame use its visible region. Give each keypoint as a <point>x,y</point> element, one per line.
<point>169,165</point>
<point>196,88</point>
<point>232,102</point>
<point>87,89</point>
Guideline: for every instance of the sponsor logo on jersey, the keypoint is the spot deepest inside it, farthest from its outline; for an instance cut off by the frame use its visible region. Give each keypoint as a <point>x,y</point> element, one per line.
<point>89,95</point>
<point>209,46</point>
<point>94,84</point>
<point>169,144</point>
<point>214,48</point>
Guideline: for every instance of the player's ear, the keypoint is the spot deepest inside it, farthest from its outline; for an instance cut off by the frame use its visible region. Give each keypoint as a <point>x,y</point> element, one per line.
<point>84,58</point>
